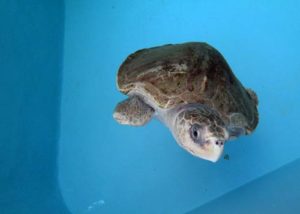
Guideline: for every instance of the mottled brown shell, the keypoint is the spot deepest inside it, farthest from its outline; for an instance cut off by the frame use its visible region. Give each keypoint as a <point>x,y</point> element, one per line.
<point>186,73</point>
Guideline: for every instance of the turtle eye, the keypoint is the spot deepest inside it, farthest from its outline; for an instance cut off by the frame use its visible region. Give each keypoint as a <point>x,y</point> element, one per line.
<point>194,131</point>
<point>195,134</point>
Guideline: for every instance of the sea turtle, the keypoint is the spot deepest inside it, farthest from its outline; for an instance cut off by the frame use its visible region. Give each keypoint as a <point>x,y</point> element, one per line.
<point>192,90</point>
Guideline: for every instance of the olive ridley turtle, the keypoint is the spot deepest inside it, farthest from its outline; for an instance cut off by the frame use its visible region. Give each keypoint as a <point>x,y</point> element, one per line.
<point>192,90</point>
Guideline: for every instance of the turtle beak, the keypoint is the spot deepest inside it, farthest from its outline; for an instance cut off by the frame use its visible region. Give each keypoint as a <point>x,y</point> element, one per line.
<point>214,150</point>
<point>216,154</point>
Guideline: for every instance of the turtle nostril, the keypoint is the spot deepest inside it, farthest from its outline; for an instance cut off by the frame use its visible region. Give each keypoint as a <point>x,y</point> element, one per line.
<point>219,143</point>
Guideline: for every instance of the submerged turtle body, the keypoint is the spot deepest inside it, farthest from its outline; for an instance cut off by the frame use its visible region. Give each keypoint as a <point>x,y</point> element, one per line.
<point>186,84</point>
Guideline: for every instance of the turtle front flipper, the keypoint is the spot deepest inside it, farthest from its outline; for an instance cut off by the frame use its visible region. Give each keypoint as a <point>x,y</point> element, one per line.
<point>133,111</point>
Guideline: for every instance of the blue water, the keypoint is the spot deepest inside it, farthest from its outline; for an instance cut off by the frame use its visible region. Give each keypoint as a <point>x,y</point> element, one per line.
<point>60,149</point>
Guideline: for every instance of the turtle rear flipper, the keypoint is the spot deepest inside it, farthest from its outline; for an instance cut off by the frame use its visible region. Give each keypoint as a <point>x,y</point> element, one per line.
<point>133,111</point>
<point>252,95</point>
<point>238,125</point>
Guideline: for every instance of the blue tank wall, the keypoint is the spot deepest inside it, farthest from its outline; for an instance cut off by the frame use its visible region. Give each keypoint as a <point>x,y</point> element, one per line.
<point>275,193</point>
<point>108,168</point>
<point>142,170</point>
<point>31,38</point>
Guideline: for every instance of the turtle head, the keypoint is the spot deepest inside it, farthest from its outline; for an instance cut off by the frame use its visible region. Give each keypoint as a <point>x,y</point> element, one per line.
<point>201,132</point>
